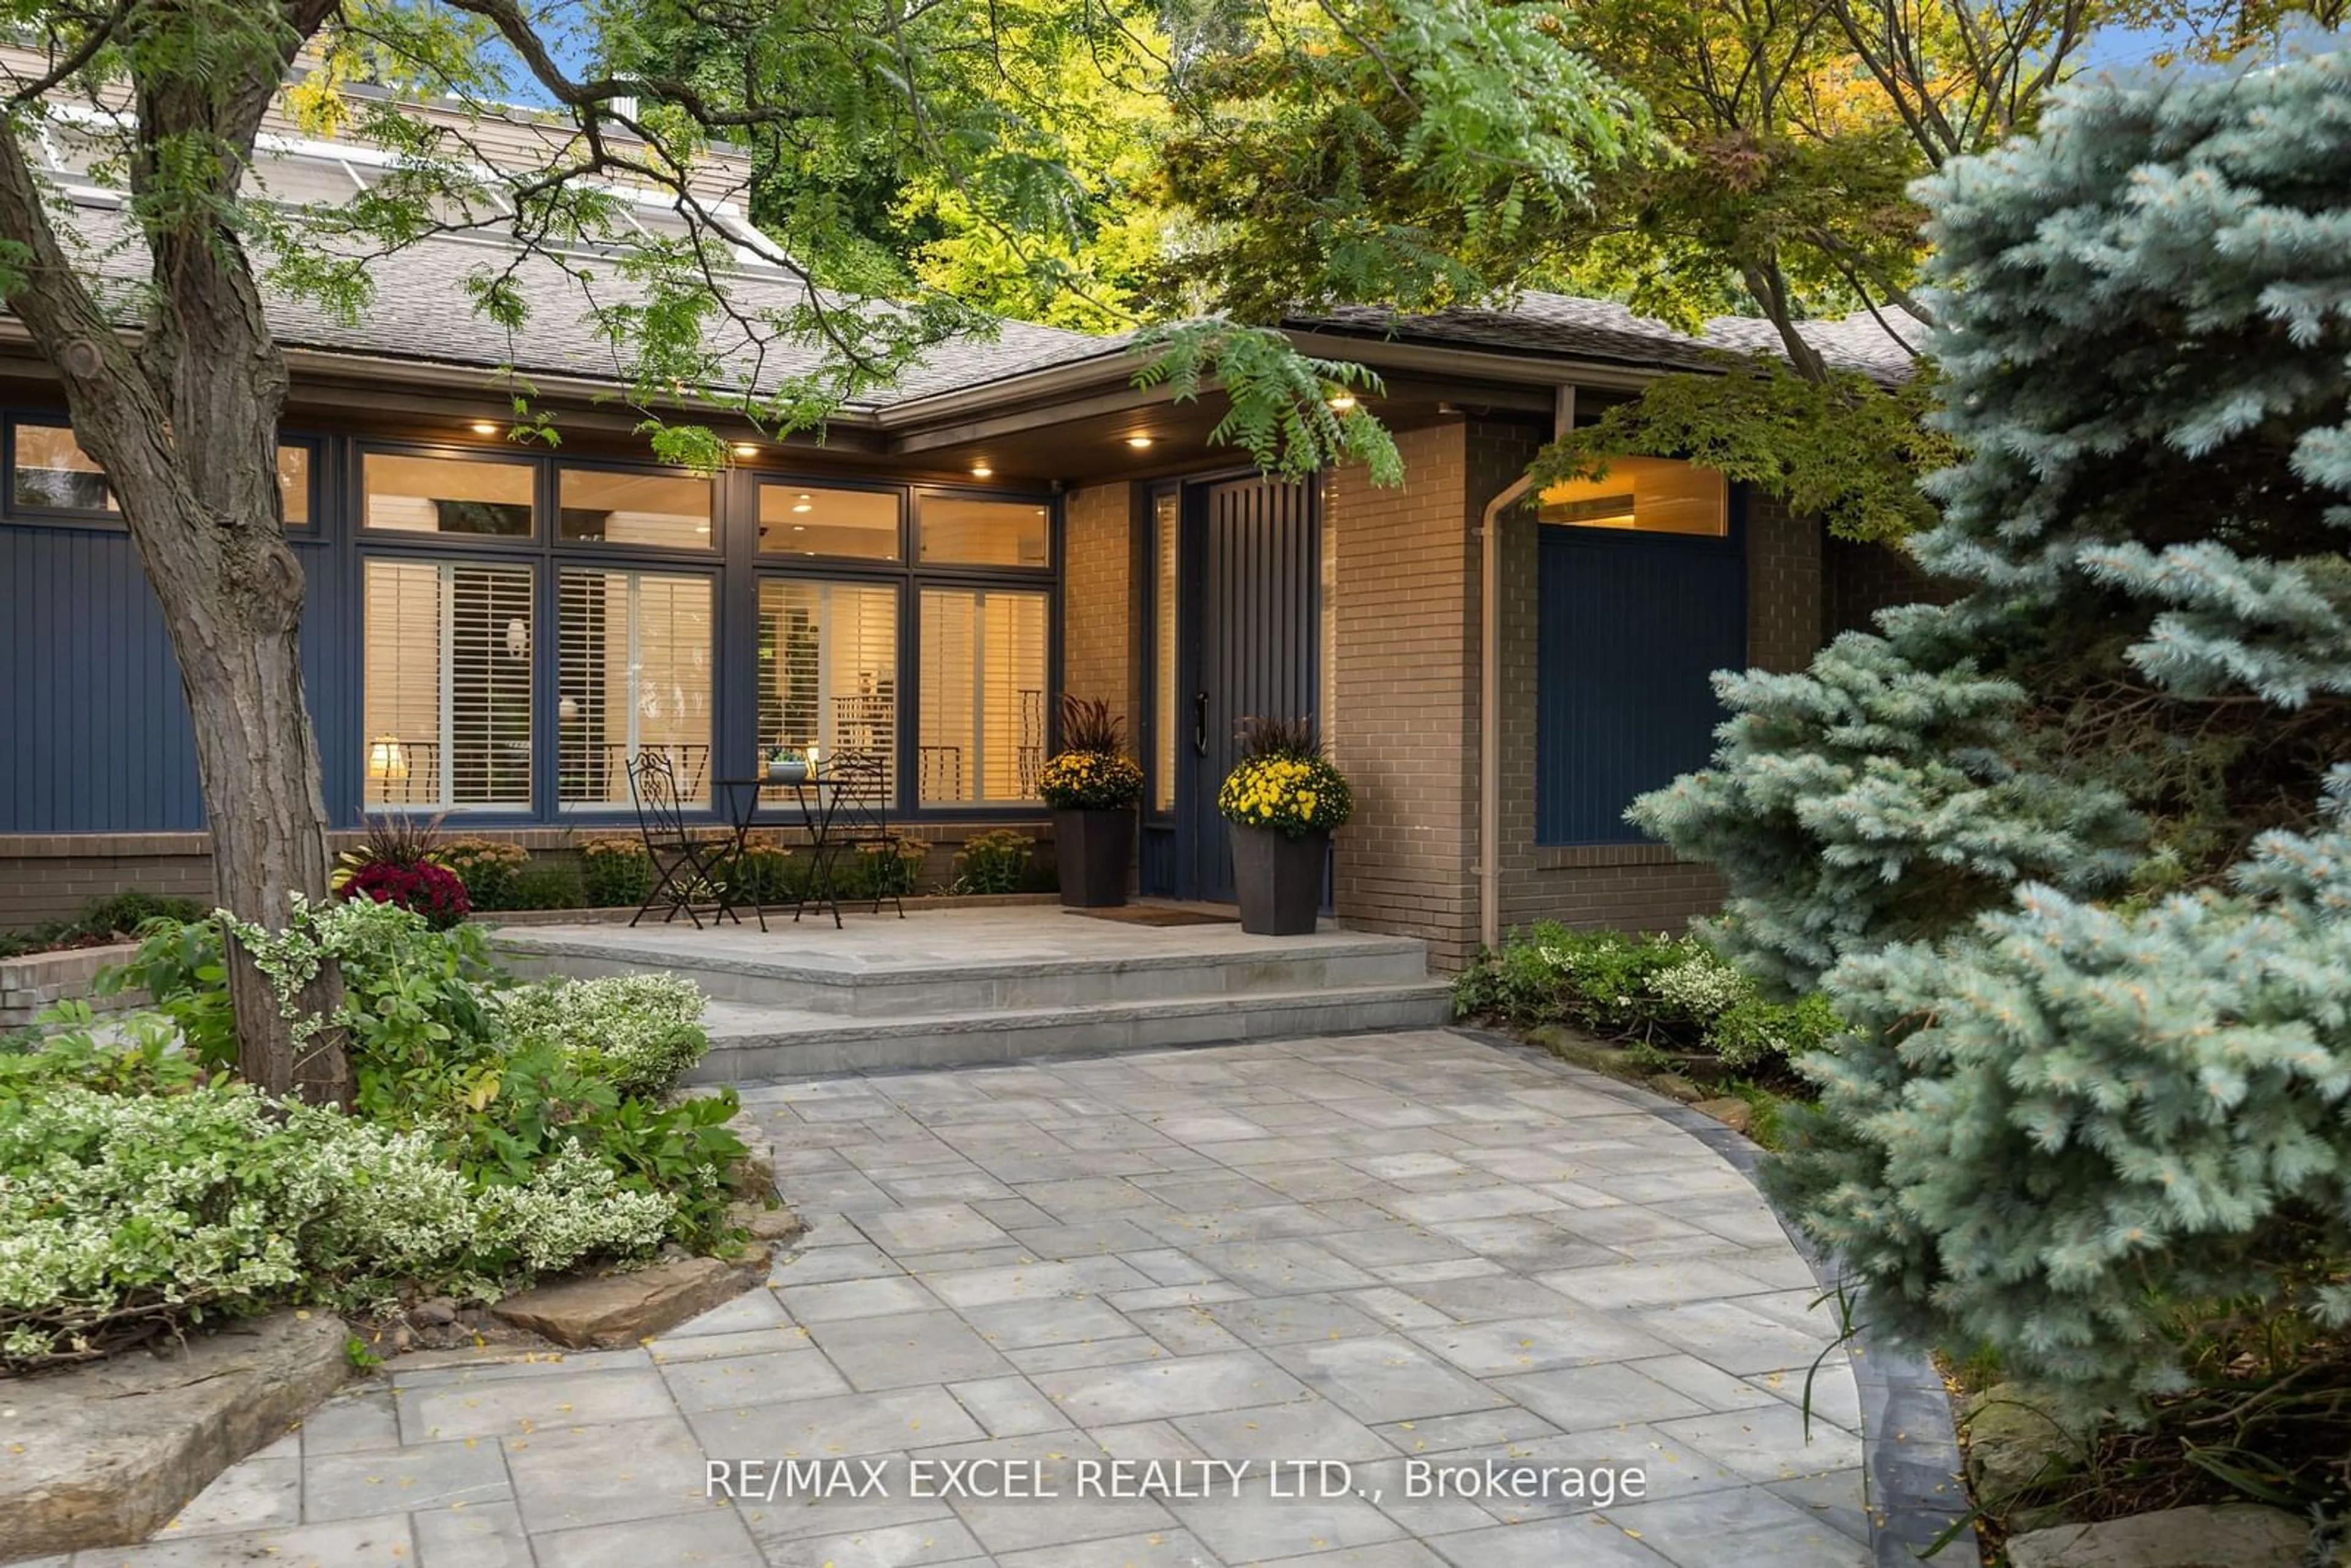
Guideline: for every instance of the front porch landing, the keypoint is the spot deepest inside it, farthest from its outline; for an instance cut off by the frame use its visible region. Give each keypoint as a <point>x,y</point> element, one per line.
<point>947,986</point>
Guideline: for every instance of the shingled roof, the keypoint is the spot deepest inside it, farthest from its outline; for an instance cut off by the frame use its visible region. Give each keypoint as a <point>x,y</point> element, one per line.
<point>1600,329</point>
<point>422,314</point>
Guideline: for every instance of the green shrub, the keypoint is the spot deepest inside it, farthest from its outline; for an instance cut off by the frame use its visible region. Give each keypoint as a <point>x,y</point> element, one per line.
<point>1670,992</point>
<point>549,883</point>
<point>131,1214</point>
<point>891,870</point>
<point>618,873</point>
<point>489,867</point>
<point>993,862</point>
<point>638,1032</point>
<point>767,873</point>
<point>497,1132</point>
<point>117,914</point>
<point>127,913</point>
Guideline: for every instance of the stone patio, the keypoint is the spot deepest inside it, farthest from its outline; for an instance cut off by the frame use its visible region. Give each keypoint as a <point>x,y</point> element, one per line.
<point>1377,1250</point>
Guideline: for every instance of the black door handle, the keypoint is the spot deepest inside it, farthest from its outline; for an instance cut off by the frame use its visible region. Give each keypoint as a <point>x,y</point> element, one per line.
<point>1200,723</point>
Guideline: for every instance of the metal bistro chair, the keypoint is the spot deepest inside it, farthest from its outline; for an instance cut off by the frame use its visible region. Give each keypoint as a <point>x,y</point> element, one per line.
<point>858,822</point>
<point>688,875</point>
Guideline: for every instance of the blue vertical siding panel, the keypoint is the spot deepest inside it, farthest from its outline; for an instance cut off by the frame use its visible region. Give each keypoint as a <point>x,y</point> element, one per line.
<point>1632,628</point>
<point>91,691</point>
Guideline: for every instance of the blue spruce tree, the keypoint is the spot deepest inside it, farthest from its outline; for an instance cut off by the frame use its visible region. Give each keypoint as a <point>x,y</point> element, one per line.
<point>2072,854</point>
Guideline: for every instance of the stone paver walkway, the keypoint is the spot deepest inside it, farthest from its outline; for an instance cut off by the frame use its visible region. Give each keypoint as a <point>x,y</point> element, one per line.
<point>1408,1254</point>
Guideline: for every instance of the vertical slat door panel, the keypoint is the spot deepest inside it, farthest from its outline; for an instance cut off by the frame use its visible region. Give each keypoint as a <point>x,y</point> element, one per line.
<point>1256,630</point>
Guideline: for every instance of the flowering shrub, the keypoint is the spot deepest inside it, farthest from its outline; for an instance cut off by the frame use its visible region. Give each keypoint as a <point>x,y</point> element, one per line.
<point>1091,781</point>
<point>766,874</point>
<point>638,1032</point>
<point>880,870</point>
<point>1667,991</point>
<point>1091,772</point>
<point>431,891</point>
<point>618,872</point>
<point>993,862</point>
<point>498,1130</point>
<point>1292,796</point>
<point>489,867</point>
<point>123,1216</point>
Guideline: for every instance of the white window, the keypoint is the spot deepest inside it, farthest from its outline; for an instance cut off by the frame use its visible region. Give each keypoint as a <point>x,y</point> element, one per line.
<point>982,696</point>
<point>829,669</point>
<point>446,684</point>
<point>633,673</point>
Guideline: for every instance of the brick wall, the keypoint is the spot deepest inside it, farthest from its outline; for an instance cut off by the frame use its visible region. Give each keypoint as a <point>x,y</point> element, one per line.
<point>1631,886</point>
<point>50,877</point>
<point>1863,579</point>
<point>1404,694</point>
<point>46,877</point>
<point>1098,599</point>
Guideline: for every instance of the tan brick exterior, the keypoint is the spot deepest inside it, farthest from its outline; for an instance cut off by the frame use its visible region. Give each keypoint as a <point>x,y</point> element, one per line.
<point>1100,606</point>
<point>1404,694</point>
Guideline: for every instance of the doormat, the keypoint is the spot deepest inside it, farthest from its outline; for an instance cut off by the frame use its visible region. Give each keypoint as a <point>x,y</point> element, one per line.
<point>1150,914</point>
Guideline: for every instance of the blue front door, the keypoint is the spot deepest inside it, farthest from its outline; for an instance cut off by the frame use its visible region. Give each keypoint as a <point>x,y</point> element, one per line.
<point>1248,646</point>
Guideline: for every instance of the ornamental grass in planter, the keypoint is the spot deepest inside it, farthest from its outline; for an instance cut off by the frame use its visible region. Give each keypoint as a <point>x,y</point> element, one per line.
<point>1092,787</point>
<point>1282,798</point>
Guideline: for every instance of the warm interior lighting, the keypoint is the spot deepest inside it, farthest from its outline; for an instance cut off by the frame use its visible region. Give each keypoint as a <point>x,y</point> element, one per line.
<point>484,427</point>
<point>1138,441</point>
<point>981,470</point>
<point>802,507</point>
<point>1643,494</point>
<point>387,757</point>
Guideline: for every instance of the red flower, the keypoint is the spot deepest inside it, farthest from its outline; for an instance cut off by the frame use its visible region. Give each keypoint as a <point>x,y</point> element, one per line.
<point>427,889</point>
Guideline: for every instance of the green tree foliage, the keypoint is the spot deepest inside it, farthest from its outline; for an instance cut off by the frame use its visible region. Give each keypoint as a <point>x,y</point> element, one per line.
<point>1790,437</point>
<point>2073,855</point>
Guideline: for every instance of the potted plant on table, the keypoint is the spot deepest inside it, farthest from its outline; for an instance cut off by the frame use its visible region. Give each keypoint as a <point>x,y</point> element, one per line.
<point>1093,785</point>
<point>1282,798</point>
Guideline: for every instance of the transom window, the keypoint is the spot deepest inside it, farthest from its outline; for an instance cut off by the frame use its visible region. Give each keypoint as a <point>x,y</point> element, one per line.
<point>963,531</point>
<point>806,521</point>
<point>51,473</point>
<point>609,507</point>
<point>1643,494</point>
<point>450,495</point>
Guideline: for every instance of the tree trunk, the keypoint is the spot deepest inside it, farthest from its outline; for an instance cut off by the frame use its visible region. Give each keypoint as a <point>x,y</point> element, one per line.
<point>185,426</point>
<point>1769,285</point>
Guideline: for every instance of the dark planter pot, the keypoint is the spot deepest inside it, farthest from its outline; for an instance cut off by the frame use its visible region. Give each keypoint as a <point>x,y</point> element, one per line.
<point>1277,880</point>
<point>1092,851</point>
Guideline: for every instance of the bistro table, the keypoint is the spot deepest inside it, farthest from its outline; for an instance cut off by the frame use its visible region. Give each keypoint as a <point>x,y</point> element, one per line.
<point>817,802</point>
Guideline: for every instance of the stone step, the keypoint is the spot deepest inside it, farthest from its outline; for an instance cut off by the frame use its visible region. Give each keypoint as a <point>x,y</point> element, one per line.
<point>943,983</point>
<point>751,1043</point>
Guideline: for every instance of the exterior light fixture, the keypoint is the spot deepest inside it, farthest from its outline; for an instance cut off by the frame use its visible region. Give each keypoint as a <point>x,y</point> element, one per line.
<point>981,470</point>
<point>1138,441</point>
<point>484,427</point>
<point>745,449</point>
<point>1341,401</point>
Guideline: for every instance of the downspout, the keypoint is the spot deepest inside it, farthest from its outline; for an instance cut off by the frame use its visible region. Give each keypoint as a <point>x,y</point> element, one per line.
<point>1489,688</point>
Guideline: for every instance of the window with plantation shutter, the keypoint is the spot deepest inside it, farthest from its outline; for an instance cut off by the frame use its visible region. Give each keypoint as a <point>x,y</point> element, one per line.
<point>827,669</point>
<point>633,673</point>
<point>982,696</point>
<point>446,684</point>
